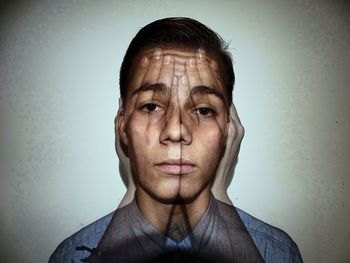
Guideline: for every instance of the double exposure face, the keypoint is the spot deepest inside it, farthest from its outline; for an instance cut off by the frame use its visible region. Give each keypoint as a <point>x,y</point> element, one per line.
<point>174,123</point>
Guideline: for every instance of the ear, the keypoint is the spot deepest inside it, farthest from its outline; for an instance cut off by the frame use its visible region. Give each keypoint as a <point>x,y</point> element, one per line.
<point>120,124</point>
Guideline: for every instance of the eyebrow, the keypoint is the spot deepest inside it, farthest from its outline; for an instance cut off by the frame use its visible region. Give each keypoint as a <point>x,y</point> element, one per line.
<point>207,90</point>
<point>156,87</point>
<point>200,90</point>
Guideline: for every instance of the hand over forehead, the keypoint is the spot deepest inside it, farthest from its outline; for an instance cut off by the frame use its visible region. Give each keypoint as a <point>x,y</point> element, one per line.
<point>175,73</point>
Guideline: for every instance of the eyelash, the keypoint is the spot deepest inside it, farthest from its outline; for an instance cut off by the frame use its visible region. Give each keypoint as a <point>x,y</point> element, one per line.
<point>209,112</point>
<point>151,107</point>
<point>144,107</point>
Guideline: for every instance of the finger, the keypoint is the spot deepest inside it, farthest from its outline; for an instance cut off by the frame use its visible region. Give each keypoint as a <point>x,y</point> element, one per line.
<point>180,66</point>
<point>204,70</point>
<point>150,77</point>
<point>232,134</point>
<point>211,67</point>
<point>153,70</point>
<point>183,92</point>
<point>214,67</point>
<point>199,75</point>
<point>166,74</point>
<point>236,122</point>
<point>124,169</point>
<point>139,73</point>
<point>192,73</point>
<point>183,88</point>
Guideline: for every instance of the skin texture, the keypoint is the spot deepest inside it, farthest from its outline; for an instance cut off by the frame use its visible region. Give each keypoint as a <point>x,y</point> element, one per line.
<point>175,125</point>
<point>224,172</point>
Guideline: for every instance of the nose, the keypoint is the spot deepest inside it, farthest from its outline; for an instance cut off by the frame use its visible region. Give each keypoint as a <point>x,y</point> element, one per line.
<point>175,130</point>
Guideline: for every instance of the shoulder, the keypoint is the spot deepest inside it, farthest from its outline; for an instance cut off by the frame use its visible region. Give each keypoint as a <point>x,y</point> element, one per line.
<point>274,244</point>
<point>88,236</point>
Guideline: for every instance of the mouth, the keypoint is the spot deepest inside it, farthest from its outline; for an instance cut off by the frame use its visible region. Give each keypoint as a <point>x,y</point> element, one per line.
<point>176,166</point>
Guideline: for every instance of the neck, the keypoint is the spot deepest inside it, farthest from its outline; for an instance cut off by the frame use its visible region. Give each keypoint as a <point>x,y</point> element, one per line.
<point>175,220</point>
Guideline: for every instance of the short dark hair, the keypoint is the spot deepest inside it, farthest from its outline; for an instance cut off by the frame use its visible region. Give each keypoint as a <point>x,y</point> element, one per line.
<point>179,32</point>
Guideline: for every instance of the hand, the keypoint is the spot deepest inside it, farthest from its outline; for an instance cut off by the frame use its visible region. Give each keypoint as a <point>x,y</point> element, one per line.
<point>124,166</point>
<point>228,162</point>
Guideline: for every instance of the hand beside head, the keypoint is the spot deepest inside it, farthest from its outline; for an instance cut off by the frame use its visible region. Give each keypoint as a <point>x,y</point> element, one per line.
<point>175,125</point>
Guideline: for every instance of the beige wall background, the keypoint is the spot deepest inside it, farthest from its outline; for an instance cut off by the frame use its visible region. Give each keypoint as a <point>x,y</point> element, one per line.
<point>59,93</point>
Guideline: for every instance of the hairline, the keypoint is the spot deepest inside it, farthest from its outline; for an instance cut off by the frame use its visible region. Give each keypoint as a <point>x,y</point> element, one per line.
<point>181,47</point>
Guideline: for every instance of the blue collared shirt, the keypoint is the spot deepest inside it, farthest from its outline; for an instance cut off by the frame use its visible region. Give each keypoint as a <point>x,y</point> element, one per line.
<point>273,244</point>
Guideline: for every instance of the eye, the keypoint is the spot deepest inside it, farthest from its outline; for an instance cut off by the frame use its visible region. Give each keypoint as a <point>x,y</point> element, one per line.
<point>204,111</point>
<point>149,107</point>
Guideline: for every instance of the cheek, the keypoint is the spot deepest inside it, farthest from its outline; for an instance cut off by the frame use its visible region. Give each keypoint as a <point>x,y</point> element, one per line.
<point>143,138</point>
<point>211,144</point>
<point>212,134</point>
<point>140,132</point>
<point>214,142</point>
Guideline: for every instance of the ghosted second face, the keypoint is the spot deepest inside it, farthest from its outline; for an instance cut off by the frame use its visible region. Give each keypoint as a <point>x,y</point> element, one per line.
<point>174,123</point>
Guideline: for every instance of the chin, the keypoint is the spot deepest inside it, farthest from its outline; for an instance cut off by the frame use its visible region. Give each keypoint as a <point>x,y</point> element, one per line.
<point>166,193</point>
<point>188,195</point>
<point>192,186</point>
<point>176,196</point>
<point>175,189</point>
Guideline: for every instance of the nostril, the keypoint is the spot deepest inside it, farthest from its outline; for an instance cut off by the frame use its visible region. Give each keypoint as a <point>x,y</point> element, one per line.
<point>175,131</point>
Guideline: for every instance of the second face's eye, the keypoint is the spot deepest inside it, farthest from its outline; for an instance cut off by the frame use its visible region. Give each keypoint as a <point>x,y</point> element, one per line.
<point>148,107</point>
<point>204,111</point>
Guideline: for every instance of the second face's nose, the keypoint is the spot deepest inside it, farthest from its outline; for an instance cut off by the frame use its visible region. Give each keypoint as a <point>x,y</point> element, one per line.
<point>175,130</point>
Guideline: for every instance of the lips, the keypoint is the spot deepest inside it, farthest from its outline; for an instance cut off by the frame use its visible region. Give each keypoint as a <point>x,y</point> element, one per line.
<point>176,166</point>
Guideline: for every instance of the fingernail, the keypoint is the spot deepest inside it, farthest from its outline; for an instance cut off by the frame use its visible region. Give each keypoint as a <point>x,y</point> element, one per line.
<point>192,62</point>
<point>183,80</point>
<point>201,53</point>
<point>166,60</point>
<point>157,54</point>
<point>214,64</point>
<point>144,61</point>
<point>200,56</point>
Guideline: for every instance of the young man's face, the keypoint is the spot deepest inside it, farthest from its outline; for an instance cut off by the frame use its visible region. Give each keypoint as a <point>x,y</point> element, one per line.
<point>174,123</point>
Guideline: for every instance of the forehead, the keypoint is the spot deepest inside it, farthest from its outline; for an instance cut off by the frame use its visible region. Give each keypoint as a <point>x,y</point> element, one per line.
<point>176,52</point>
